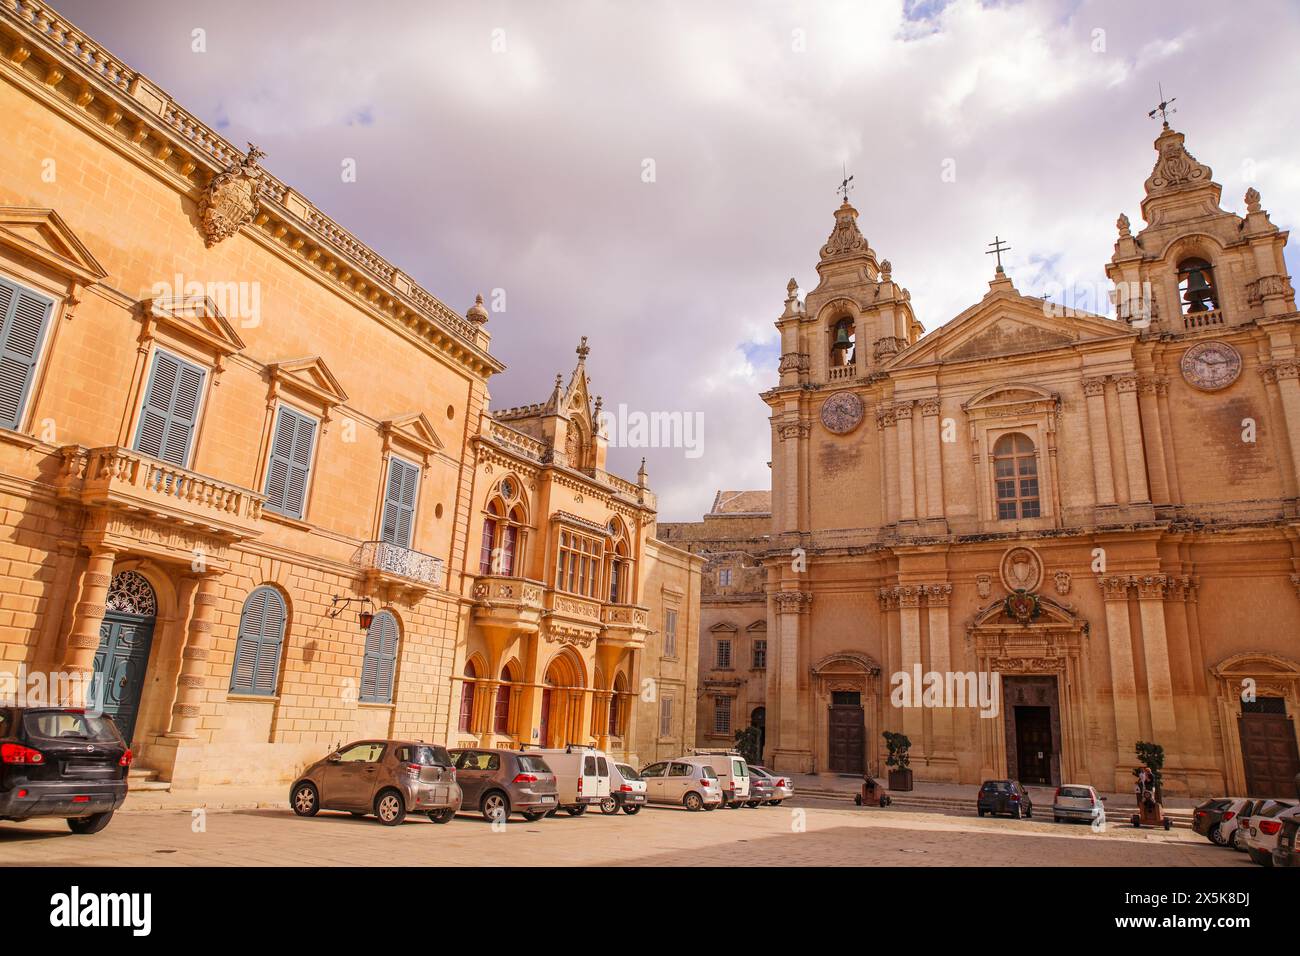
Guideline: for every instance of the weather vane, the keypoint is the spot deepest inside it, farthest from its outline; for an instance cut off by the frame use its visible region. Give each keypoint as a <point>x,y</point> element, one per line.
<point>997,250</point>
<point>1165,108</point>
<point>845,184</point>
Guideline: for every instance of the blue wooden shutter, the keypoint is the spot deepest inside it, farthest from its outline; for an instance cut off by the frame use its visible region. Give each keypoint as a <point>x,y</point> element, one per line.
<point>24,316</point>
<point>171,409</point>
<point>380,664</point>
<point>290,464</point>
<point>399,503</point>
<point>257,650</point>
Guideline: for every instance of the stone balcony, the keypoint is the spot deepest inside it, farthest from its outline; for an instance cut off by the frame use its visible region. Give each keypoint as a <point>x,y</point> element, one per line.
<point>1203,320</point>
<point>627,625</point>
<point>140,501</point>
<point>391,568</point>
<point>513,604</point>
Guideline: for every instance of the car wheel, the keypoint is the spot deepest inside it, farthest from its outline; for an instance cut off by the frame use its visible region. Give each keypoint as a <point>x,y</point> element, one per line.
<point>1235,840</point>
<point>712,806</point>
<point>1260,857</point>
<point>91,824</point>
<point>1029,814</point>
<point>980,812</point>
<point>390,808</point>
<point>1216,836</point>
<point>777,803</point>
<point>608,805</point>
<point>306,801</point>
<point>692,801</point>
<point>1169,824</point>
<point>442,816</point>
<point>577,811</point>
<point>1056,819</point>
<point>752,804</point>
<point>534,815</point>
<point>630,810</point>
<point>494,807</point>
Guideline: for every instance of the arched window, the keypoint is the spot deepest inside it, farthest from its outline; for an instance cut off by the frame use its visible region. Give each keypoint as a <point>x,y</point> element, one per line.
<point>843,343</point>
<point>380,664</point>
<point>505,526</point>
<point>1196,290</point>
<point>501,713</point>
<point>489,540</point>
<point>620,565</point>
<point>1015,477</point>
<point>257,648</point>
<point>616,705</point>
<point>467,698</point>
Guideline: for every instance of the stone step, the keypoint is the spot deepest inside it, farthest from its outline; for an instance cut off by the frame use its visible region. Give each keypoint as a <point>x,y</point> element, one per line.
<point>146,780</point>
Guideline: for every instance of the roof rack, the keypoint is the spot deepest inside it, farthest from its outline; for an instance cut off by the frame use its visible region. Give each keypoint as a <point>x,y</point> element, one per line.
<point>716,752</point>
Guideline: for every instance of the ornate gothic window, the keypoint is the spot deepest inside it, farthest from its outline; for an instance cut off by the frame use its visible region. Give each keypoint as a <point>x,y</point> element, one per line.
<point>1015,477</point>
<point>131,593</point>
<point>504,531</point>
<point>1196,289</point>
<point>467,698</point>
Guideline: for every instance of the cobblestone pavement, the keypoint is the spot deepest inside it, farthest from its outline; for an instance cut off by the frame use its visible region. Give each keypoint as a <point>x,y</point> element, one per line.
<point>793,835</point>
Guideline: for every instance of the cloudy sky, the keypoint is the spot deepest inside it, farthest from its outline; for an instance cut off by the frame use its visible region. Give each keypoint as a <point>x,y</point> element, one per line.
<point>503,146</point>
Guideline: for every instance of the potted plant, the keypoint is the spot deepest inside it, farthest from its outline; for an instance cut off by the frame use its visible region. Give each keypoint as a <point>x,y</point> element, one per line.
<point>900,774</point>
<point>747,744</point>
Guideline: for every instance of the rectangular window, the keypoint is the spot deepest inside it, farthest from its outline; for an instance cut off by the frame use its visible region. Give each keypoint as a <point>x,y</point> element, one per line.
<point>724,577</point>
<point>760,653</point>
<point>665,716</point>
<point>399,502</point>
<point>170,413</point>
<point>24,317</point>
<point>722,659</point>
<point>670,632</point>
<point>577,565</point>
<point>485,548</point>
<point>290,464</point>
<point>722,715</point>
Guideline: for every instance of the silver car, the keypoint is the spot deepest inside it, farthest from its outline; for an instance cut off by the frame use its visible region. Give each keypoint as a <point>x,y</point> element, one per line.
<point>782,787</point>
<point>1077,801</point>
<point>686,782</point>
<point>387,778</point>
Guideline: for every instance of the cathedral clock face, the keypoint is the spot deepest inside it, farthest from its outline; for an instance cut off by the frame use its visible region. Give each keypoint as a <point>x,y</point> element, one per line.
<point>1211,366</point>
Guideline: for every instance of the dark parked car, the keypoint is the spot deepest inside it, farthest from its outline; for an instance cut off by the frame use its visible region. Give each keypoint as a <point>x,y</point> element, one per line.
<point>61,762</point>
<point>500,782</point>
<point>1209,814</point>
<point>1287,851</point>
<point>388,778</point>
<point>1004,796</point>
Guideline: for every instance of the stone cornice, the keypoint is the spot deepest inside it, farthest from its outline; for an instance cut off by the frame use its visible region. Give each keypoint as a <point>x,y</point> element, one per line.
<point>68,71</point>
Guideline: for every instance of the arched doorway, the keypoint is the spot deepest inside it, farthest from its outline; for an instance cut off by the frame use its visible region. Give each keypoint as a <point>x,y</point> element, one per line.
<point>758,720</point>
<point>125,637</point>
<point>562,700</point>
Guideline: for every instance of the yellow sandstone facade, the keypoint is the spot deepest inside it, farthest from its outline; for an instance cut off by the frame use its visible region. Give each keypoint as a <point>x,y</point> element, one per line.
<point>1102,511</point>
<point>246,465</point>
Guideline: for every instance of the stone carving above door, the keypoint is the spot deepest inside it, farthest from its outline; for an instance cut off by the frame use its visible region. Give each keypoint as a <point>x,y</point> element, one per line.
<point>1021,569</point>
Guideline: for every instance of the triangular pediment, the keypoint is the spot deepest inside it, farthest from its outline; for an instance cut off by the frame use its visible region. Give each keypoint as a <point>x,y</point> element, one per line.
<point>1007,323</point>
<point>42,235</point>
<point>196,316</point>
<point>310,376</point>
<point>412,430</point>
<point>723,628</point>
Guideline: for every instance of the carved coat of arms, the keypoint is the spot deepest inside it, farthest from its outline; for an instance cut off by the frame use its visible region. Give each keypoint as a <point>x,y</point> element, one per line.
<point>230,201</point>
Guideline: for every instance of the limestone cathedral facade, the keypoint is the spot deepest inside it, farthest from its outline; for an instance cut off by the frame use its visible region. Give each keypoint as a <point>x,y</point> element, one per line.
<point>250,479</point>
<point>1101,510</point>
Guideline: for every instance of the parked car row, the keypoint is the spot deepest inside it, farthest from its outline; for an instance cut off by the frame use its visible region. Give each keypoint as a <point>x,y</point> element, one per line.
<point>1072,802</point>
<point>1263,829</point>
<point>391,778</point>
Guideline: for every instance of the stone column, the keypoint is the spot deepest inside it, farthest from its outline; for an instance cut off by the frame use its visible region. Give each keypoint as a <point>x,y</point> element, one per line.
<point>193,676</point>
<point>1281,448</point>
<point>790,608</point>
<point>1155,650</point>
<point>1134,455</point>
<point>1123,680</point>
<point>942,720</point>
<point>906,462</point>
<point>792,434</point>
<point>1154,443</point>
<point>1288,387</point>
<point>88,618</point>
<point>604,700</point>
<point>933,459</point>
<point>886,423</point>
<point>909,628</point>
<point>1099,438</point>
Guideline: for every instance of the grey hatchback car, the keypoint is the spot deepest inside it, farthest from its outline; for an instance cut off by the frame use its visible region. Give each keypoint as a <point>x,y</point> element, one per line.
<point>501,782</point>
<point>387,778</point>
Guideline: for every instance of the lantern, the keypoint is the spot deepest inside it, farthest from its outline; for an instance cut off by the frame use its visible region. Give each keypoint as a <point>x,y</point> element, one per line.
<point>366,618</point>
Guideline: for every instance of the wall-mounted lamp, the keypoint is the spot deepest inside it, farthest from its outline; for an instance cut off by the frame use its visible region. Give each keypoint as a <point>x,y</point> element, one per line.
<point>365,618</point>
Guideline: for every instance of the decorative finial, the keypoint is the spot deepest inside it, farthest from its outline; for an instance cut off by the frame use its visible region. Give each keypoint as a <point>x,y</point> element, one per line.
<point>254,154</point>
<point>846,184</point>
<point>599,402</point>
<point>998,248</point>
<point>791,290</point>
<point>1252,200</point>
<point>886,269</point>
<point>559,380</point>
<point>1122,224</point>
<point>642,477</point>
<point>477,313</point>
<point>583,350</point>
<point>1165,108</point>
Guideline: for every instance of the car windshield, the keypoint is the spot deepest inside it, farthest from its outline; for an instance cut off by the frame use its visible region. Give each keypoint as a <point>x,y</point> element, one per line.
<point>70,725</point>
<point>997,786</point>
<point>1076,792</point>
<point>531,764</point>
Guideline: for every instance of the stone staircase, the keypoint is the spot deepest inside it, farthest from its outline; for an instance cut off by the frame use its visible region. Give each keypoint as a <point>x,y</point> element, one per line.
<point>1116,815</point>
<point>142,779</point>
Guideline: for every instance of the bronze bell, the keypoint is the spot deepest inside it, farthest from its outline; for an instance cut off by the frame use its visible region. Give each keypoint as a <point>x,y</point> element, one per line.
<point>1198,292</point>
<point>842,342</point>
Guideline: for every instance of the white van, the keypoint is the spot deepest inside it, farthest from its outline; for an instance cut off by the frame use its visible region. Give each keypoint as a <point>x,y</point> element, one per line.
<point>733,774</point>
<point>581,776</point>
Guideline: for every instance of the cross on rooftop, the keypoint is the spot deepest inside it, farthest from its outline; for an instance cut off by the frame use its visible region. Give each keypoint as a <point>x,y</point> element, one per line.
<point>845,184</point>
<point>1165,107</point>
<point>998,248</point>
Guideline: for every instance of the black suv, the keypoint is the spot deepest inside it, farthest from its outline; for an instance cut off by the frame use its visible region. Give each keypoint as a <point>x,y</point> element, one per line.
<point>61,762</point>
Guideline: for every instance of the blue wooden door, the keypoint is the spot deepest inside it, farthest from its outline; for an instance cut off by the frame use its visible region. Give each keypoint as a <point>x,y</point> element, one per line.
<point>120,664</point>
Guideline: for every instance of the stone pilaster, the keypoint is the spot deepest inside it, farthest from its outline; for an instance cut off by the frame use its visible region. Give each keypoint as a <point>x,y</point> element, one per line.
<point>1155,650</point>
<point>1104,477</point>
<point>906,462</point>
<point>1134,456</point>
<point>791,606</point>
<point>933,459</point>
<point>886,423</point>
<point>192,679</point>
<point>942,719</point>
<point>88,618</point>
<point>1123,679</point>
